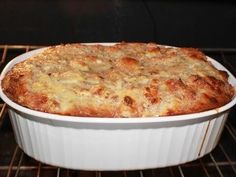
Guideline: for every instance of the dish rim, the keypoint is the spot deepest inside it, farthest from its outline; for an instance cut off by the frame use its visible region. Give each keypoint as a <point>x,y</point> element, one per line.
<point>152,119</point>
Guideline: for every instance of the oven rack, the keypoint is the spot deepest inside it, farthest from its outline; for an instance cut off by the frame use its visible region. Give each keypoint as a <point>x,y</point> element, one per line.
<point>220,162</point>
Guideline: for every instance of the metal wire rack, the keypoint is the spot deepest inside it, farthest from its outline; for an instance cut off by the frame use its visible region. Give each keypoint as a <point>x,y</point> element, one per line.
<point>221,162</point>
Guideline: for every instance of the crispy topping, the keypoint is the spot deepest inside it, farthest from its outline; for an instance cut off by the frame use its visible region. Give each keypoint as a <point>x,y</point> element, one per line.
<point>128,101</point>
<point>123,80</point>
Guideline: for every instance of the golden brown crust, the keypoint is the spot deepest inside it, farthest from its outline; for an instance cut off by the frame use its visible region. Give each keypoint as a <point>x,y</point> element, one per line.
<point>124,80</point>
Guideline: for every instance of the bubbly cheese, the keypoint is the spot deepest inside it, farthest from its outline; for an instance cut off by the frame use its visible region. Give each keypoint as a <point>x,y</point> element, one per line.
<point>124,80</point>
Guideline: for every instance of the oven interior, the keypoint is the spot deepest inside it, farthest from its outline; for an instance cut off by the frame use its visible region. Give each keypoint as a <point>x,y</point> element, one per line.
<point>208,25</point>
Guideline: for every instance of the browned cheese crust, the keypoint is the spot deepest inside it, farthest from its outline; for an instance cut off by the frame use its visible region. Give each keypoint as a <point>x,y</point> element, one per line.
<point>124,80</point>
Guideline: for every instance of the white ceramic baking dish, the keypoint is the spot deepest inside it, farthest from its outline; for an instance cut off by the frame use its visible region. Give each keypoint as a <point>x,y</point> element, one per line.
<point>115,143</point>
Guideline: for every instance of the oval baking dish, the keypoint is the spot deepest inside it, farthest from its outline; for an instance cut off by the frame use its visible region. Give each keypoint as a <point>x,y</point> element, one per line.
<point>115,143</point>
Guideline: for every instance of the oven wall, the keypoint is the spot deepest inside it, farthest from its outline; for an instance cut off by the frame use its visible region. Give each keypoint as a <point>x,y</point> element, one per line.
<point>180,23</point>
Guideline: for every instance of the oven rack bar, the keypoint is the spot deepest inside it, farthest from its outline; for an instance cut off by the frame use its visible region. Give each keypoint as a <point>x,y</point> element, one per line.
<point>220,49</point>
<point>24,48</point>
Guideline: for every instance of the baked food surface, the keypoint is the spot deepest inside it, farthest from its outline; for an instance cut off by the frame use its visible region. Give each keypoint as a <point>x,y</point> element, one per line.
<point>123,80</point>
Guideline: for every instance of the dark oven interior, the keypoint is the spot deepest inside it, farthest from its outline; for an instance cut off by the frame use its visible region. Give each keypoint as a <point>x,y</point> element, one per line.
<point>210,26</point>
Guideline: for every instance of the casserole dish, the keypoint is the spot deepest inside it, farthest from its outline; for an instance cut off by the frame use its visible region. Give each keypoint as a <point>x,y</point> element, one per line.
<point>113,143</point>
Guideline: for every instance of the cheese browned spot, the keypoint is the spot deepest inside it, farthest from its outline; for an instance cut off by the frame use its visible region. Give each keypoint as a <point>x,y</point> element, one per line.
<point>123,80</point>
<point>128,101</point>
<point>151,92</point>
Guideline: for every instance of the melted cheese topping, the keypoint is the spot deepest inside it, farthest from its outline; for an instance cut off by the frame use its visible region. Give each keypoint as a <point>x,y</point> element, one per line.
<point>124,80</point>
